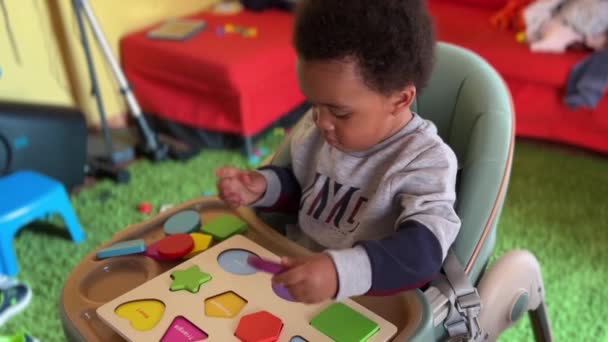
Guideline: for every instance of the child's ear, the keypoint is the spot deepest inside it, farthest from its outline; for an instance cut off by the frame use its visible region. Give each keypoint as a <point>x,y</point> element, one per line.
<point>403,99</point>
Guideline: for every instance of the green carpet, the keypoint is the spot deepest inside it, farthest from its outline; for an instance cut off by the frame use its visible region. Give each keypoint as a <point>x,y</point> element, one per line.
<point>556,207</point>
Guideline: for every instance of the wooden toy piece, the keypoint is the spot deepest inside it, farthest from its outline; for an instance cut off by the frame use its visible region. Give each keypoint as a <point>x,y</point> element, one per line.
<point>175,246</point>
<point>250,32</point>
<point>230,28</point>
<point>152,252</point>
<point>145,208</point>
<point>297,339</point>
<point>182,330</point>
<point>265,265</point>
<point>224,226</point>
<point>235,261</point>
<point>261,326</point>
<point>344,324</point>
<point>201,243</point>
<point>123,248</point>
<point>184,222</point>
<point>142,314</point>
<point>189,279</point>
<point>282,292</point>
<point>225,305</point>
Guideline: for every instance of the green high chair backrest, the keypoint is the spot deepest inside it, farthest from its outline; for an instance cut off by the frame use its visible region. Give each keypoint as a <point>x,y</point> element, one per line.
<point>472,108</point>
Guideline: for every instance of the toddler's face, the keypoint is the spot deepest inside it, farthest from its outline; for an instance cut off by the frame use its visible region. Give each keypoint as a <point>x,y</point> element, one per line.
<point>351,116</point>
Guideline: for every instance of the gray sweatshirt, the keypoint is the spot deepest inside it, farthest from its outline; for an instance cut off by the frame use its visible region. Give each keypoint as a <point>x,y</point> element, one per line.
<point>386,215</point>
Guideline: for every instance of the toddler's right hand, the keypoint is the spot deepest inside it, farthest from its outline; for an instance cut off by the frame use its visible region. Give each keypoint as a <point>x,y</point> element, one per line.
<point>240,187</point>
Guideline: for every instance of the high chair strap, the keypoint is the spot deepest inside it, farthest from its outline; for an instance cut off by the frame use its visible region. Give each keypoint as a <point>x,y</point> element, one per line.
<point>455,293</point>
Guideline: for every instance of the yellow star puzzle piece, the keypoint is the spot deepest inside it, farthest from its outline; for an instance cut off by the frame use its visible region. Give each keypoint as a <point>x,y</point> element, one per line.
<point>189,279</point>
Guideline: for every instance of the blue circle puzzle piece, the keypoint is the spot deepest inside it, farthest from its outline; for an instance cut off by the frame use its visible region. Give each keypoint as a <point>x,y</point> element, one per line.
<point>184,222</point>
<point>235,261</point>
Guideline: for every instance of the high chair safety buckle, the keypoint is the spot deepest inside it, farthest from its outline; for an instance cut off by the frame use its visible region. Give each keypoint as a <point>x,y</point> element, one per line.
<point>455,294</point>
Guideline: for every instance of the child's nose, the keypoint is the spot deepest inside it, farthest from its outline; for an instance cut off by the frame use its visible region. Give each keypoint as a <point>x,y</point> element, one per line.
<point>324,120</point>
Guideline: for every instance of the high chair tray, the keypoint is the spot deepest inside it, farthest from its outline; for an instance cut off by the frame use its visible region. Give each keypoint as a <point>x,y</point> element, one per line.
<point>97,282</point>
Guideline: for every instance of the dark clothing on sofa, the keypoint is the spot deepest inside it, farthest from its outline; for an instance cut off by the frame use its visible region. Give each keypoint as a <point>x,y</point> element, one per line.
<point>588,81</point>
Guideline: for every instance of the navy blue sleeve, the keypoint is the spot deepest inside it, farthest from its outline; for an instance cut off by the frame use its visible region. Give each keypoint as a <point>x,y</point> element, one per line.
<point>408,259</point>
<point>290,191</point>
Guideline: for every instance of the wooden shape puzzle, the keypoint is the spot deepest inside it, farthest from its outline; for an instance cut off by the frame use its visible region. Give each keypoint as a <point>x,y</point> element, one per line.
<point>175,246</point>
<point>142,314</point>
<point>261,326</point>
<point>182,330</point>
<point>344,324</point>
<point>243,295</point>
<point>225,305</point>
<point>184,222</point>
<point>123,248</point>
<point>224,226</point>
<point>189,279</point>
<point>201,243</point>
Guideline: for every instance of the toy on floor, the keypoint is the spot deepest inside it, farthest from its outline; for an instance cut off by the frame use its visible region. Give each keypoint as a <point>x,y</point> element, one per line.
<point>145,208</point>
<point>218,295</point>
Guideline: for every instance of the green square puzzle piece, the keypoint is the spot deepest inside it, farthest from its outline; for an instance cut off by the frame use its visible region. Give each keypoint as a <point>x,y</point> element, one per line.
<point>224,227</point>
<point>343,324</point>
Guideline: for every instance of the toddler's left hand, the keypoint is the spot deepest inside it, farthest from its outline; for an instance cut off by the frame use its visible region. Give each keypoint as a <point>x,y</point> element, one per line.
<point>311,279</point>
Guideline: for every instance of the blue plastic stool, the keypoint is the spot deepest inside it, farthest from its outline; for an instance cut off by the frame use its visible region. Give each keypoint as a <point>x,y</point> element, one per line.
<point>26,196</point>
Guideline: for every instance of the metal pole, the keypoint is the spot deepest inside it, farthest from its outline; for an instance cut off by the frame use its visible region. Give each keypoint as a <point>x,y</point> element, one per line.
<point>149,138</point>
<point>94,84</point>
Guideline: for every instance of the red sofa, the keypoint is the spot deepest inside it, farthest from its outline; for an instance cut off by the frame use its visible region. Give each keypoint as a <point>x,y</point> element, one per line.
<point>537,81</point>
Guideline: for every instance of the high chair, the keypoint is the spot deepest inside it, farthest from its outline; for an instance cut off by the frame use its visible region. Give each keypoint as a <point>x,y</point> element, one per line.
<point>472,109</point>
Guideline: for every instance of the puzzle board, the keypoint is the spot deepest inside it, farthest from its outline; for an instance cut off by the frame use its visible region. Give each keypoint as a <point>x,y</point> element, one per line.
<point>181,307</point>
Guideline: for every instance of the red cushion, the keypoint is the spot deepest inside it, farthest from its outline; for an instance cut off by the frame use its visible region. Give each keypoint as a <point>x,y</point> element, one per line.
<point>470,27</point>
<point>225,83</point>
<point>541,114</point>
<point>488,4</point>
<point>536,81</point>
